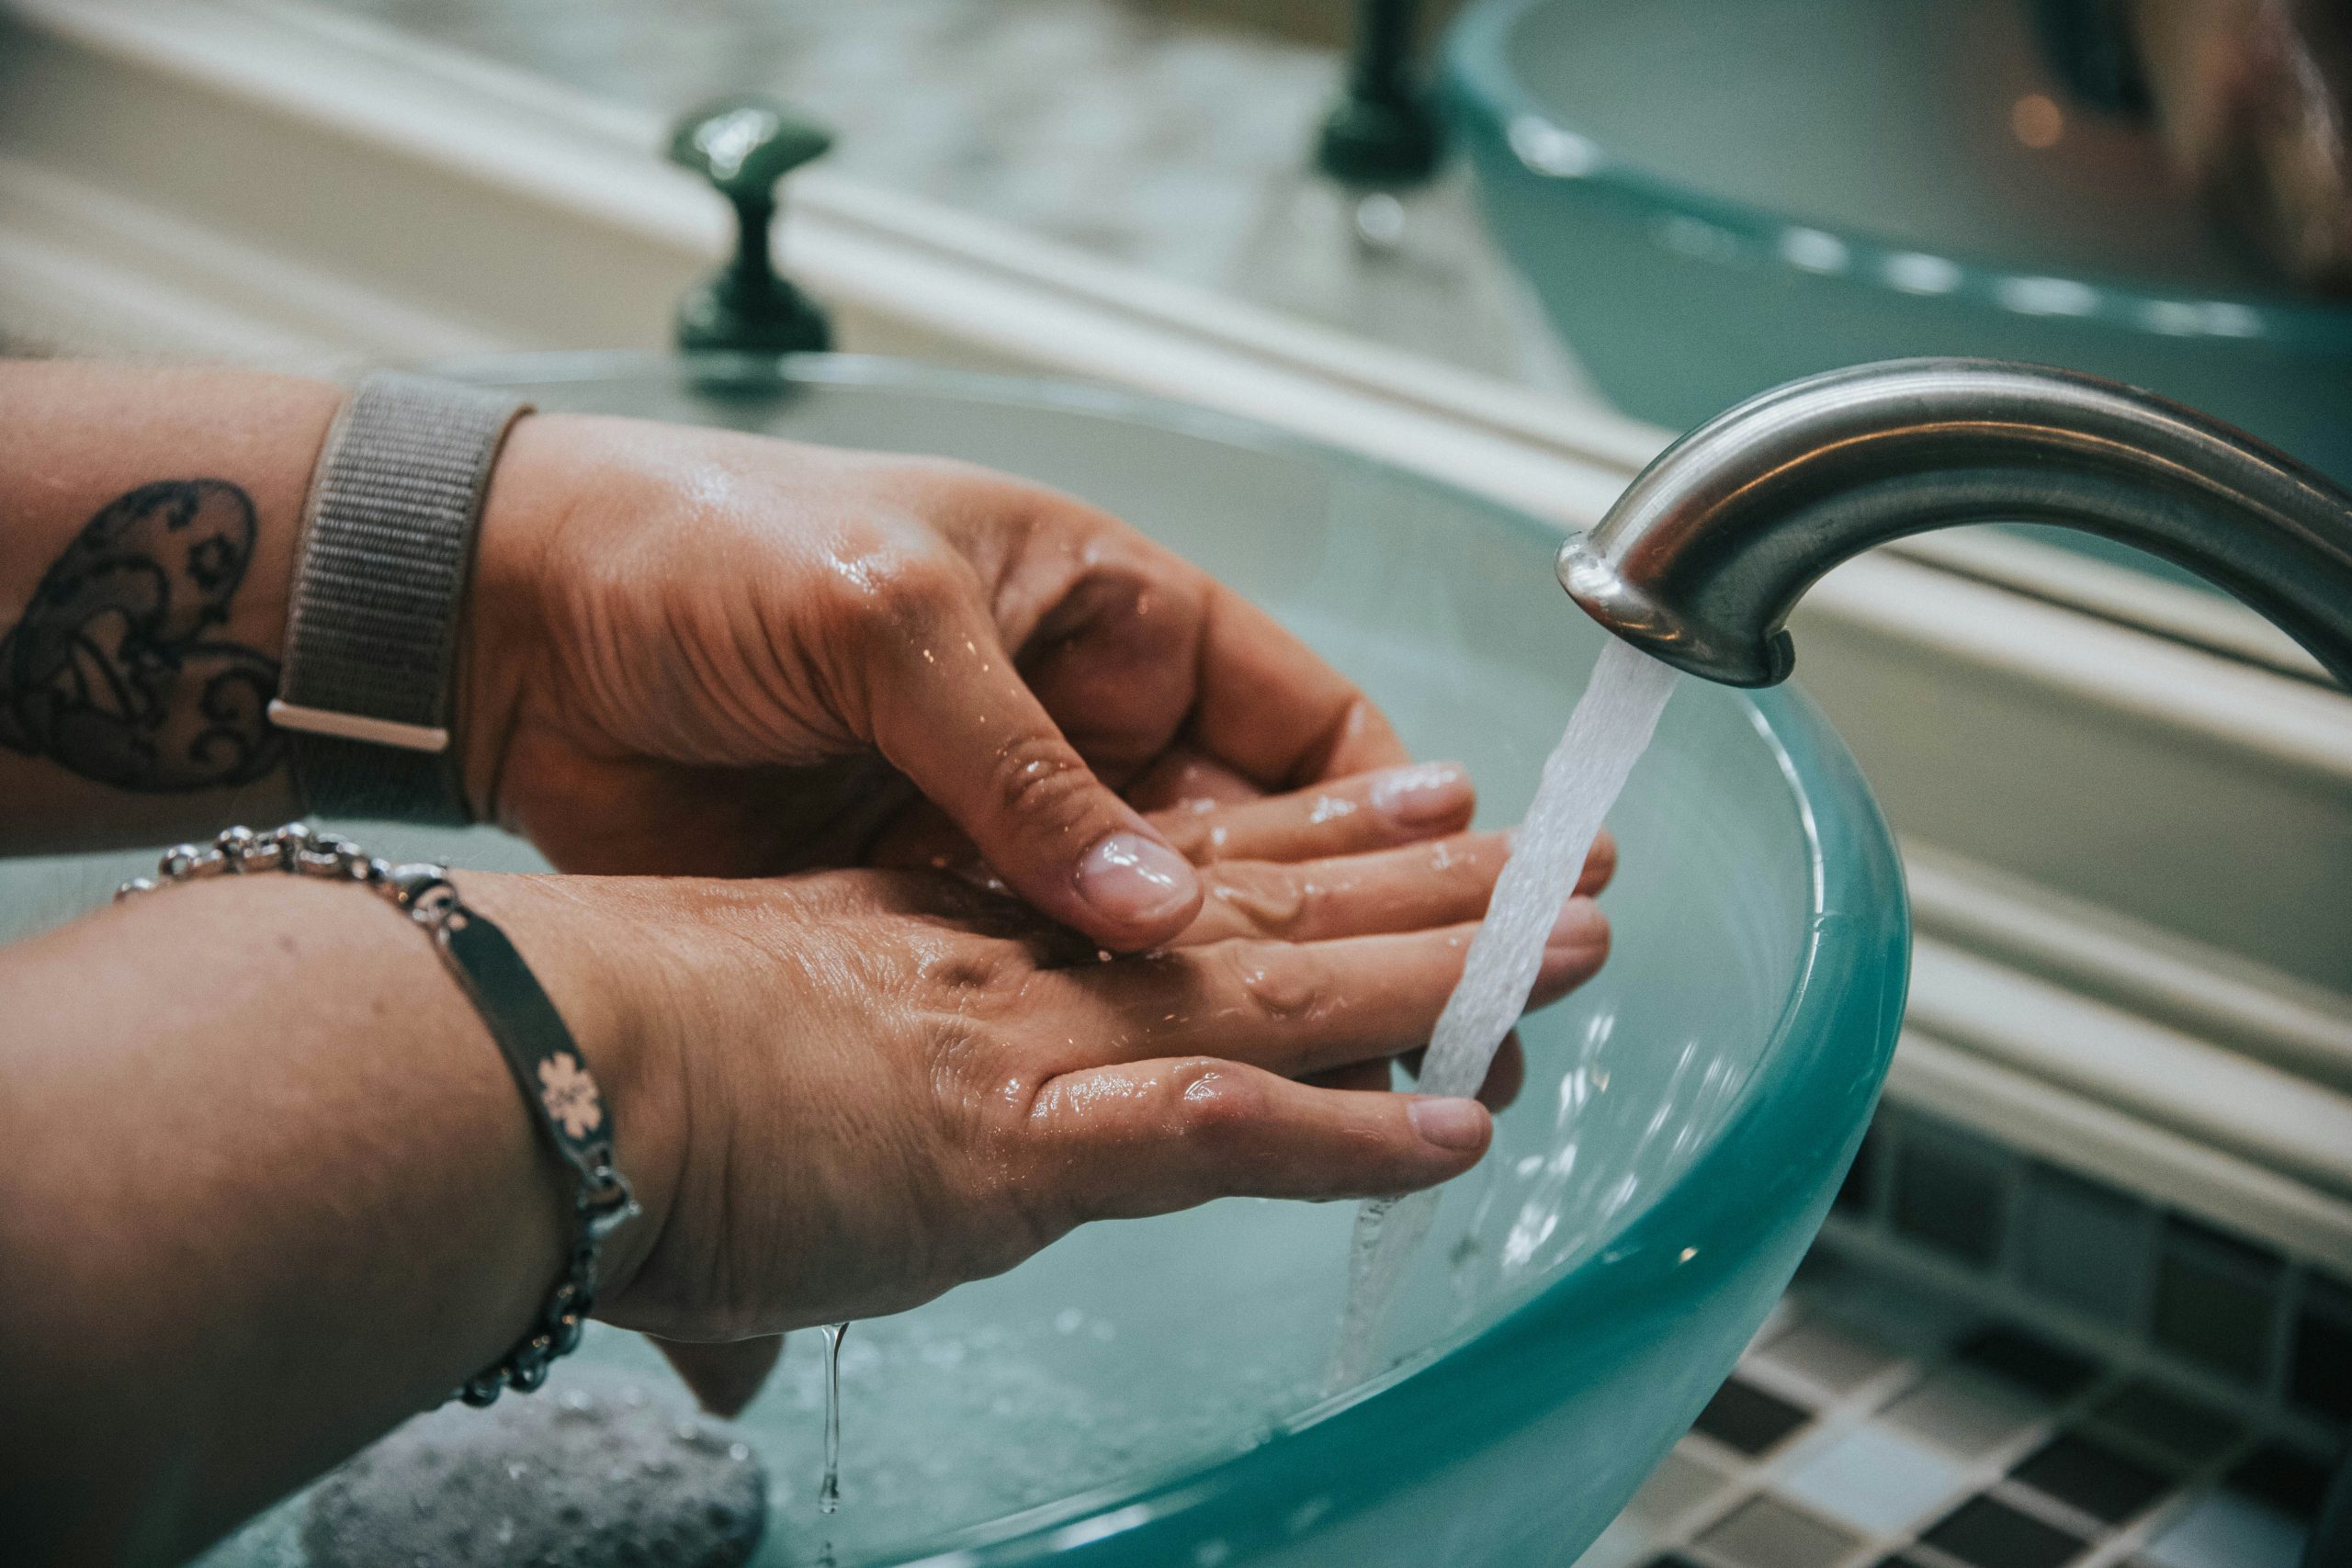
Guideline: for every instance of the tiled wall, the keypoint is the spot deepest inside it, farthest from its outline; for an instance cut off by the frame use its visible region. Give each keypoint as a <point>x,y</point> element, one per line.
<point>1993,1363</point>
<point>2105,1268</point>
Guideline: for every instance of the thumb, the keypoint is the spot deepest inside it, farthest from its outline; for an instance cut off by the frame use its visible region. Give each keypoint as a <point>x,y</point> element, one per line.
<point>723,1374</point>
<point>954,715</point>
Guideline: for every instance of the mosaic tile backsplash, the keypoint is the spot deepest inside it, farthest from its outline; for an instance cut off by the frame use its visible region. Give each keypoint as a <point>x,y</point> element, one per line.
<point>1990,1362</point>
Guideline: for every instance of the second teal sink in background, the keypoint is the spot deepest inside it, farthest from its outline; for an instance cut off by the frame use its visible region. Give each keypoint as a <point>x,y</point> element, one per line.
<point>1712,199</point>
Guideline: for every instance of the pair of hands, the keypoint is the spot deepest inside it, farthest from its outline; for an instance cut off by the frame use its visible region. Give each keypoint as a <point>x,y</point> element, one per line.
<point>712,655</point>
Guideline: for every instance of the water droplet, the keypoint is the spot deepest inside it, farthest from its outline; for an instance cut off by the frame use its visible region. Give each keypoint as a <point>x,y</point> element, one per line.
<point>829,1491</point>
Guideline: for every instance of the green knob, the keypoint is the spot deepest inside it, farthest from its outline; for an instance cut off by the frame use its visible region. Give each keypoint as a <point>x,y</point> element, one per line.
<point>743,146</point>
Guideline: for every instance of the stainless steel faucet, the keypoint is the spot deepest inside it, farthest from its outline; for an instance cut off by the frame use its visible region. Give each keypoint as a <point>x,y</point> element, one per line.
<point>1701,561</point>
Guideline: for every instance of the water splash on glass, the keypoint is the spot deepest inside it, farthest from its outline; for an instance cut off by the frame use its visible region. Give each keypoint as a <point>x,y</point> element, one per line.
<point>1606,735</point>
<point>829,1491</point>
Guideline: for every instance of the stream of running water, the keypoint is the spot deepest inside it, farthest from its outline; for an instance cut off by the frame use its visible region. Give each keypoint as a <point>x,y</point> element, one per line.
<point>1606,735</point>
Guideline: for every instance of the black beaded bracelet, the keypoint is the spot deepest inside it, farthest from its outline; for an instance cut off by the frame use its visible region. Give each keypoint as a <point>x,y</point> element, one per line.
<point>539,1050</point>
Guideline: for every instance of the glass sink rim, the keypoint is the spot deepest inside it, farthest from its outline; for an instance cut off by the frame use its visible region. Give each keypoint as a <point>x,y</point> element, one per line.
<point>1856,920</point>
<point>1483,85</point>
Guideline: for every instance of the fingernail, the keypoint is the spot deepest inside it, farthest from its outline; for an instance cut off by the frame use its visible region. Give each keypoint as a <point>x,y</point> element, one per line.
<point>1132,879</point>
<point>1580,924</point>
<point>1449,1124</point>
<point>1422,792</point>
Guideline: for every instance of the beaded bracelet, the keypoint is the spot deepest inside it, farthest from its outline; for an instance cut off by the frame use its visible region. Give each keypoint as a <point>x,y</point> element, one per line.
<point>531,1036</point>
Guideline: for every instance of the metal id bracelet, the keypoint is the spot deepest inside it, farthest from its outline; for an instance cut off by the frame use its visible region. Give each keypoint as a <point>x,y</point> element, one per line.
<point>537,1047</point>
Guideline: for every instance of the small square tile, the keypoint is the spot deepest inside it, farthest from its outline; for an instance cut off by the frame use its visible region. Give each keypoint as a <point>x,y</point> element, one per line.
<point>2225,1530</point>
<point>1912,1321</point>
<point>1745,1417</point>
<point>1680,1483</point>
<point>1826,1352</point>
<point>1766,1533</point>
<point>2319,1367</point>
<point>2084,1246</point>
<point>2290,1482</point>
<point>1874,1479</point>
<point>1966,1413</point>
<point>2050,1370</point>
<point>2086,1474</point>
<point>1986,1532</point>
<point>1951,1191</point>
<point>2216,1300</point>
<point>2158,1418</point>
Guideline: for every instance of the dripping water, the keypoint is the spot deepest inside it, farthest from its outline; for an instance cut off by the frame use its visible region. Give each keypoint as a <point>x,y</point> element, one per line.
<point>1607,733</point>
<point>829,1491</point>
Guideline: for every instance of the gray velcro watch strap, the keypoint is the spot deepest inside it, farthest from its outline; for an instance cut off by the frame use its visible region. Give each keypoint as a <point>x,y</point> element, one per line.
<point>367,686</point>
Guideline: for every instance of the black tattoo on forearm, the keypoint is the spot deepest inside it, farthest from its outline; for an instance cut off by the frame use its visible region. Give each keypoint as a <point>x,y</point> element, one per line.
<point>110,674</point>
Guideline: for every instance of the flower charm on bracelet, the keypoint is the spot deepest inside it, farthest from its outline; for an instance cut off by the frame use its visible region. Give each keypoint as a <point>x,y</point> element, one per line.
<point>569,1095</point>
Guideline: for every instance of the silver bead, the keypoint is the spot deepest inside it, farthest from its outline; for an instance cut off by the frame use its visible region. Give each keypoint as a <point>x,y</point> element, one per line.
<point>233,845</point>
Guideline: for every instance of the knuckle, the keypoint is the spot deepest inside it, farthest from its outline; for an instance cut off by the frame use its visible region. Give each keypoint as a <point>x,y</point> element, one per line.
<point>1273,900</point>
<point>1214,1102</point>
<point>1041,781</point>
<point>1284,984</point>
<point>890,577</point>
<point>982,978</point>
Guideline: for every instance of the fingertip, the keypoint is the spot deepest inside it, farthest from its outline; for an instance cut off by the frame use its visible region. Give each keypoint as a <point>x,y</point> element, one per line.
<point>1599,864</point>
<point>723,1376</point>
<point>1575,952</point>
<point>1425,796</point>
<point>1579,927</point>
<point>1454,1126</point>
<point>1141,890</point>
<point>1505,1076</point>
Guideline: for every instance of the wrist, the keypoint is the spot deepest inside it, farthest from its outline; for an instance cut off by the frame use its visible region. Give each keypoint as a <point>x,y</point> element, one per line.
<point>593,967</point>
<point>504,630</point>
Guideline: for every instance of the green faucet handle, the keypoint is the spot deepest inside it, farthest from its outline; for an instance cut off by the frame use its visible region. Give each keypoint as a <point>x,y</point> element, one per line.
<point>743,145</point>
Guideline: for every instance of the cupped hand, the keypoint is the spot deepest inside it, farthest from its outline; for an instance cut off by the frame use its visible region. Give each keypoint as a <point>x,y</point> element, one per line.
<point>897,1081</point>
<point>702,653</point>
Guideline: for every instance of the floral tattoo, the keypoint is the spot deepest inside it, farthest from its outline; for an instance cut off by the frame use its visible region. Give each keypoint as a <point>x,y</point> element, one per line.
<point>112,672</point>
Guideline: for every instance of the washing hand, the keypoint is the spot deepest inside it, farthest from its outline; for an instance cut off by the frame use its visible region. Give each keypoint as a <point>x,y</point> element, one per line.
<point>897,1081</point>
<point>702,653</point>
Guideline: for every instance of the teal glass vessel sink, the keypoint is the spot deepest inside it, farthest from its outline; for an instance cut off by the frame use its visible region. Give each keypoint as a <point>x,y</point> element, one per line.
<point>1148,1393</point>
<point>1712,199</point>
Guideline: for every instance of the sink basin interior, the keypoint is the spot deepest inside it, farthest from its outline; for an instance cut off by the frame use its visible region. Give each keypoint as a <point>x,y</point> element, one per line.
<point>1135,1351</point>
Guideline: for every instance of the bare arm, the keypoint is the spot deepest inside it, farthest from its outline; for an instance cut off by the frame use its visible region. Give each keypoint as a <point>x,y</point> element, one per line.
<point>268,1189</point>
<point>148,521</point>
<point>265,1186</point>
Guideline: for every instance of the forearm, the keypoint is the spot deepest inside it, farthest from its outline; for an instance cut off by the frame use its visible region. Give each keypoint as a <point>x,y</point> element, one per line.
<point>268,1188</point>
<point>148,525</point>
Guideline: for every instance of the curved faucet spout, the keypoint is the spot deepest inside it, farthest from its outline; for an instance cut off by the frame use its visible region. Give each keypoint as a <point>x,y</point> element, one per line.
<point>1701,561</point>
